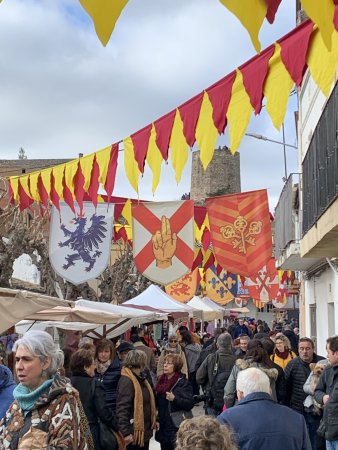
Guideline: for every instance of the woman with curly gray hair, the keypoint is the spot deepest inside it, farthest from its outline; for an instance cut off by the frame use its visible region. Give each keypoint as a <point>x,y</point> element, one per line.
<point>204,433</point>
<point>45,413</point>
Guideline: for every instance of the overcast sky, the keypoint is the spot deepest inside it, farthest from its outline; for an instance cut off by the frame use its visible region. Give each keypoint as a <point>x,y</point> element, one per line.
<point>62,93</point>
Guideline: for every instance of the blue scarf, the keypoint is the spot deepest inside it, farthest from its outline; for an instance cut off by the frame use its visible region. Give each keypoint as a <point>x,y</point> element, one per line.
<point>26,398</point>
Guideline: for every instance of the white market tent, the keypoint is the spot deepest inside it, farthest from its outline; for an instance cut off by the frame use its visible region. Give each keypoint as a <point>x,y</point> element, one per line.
<point>154,297</point>
<point>210,310</point>
<point>15,305</point>
<point>94,319</point>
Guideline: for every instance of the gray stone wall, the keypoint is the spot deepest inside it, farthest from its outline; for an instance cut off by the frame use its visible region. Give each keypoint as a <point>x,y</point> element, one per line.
<point>222,173</point>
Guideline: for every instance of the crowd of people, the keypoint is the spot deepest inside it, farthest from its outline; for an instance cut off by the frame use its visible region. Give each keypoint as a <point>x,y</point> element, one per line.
<point>261,388</point>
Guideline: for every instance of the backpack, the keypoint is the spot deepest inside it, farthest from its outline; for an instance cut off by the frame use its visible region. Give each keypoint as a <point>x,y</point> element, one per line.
<point>218,381</point>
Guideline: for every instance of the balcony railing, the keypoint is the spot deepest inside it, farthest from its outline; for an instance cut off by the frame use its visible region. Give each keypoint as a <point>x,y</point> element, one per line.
<point>320,165</point>
<point>285,215</point>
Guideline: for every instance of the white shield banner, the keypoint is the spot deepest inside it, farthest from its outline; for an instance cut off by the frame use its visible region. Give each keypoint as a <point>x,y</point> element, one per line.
<point>163,240</point>
<point>79,247</point>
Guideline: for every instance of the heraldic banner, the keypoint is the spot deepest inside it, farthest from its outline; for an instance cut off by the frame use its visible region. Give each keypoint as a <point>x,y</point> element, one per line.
<point>80,246</point>
<point>241,231</point>
<point>184,289</point>
<point>163,239</point>
<point>221,288</point>
<point>264,286</point>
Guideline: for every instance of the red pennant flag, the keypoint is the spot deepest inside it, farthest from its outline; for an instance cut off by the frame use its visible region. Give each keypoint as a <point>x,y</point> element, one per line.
<point>198,260</point>
<point>254,73</point>
<point>163,127</point>
<point>67,195</point>
<point>220,95</point>
<point>120,234</point>
<point>94,182</point>
<point>25,199</point>
<point>111,174</point>
<point>79,187</point>
<point>190,112</point>
<point>199,215</point>
<point>273,6</point>
<point>294,48</point>
<point>206,239</point>
<point>210,262</point>
<point>241,231</point>
<point>141,142</point>
<point>42,192</point>
<point>54,196</point>
<point>335,18</point>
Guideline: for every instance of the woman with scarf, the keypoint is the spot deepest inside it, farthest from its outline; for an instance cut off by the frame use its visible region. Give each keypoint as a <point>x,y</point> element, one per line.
<point>282,353</point>
<point>135,405</point>
<point>108,370</point>
<point>172,347</point>
<point>174,393</point>
<point>46,412</point>
<point>92,395</point>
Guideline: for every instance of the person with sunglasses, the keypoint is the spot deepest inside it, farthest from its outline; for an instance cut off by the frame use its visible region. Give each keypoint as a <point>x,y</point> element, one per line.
<point>172,346</point>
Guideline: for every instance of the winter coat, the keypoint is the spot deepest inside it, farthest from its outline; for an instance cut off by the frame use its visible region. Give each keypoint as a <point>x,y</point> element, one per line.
<point>206,377</point>
<point>183,400</point>
<point>328,384</point>
<point>283,362</point>
<point>192,352</point>
<point>296,374</point>
<point>53,423</point>
<point>7,386</point>
<point>240,330</point>
<point>166,351</point>
<point>261,424</point>
<point>151,363</point>
<point>110,381</point>
<point>205,352</point>
<point>125,407</point>
<point>242,364</point>
<point>93,400</point>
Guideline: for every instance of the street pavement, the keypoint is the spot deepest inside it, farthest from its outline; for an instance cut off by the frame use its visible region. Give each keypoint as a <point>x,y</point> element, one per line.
<point>197,411</point>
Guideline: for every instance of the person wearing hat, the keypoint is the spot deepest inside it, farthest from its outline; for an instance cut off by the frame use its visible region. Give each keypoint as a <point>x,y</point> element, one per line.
<point>123,349</point>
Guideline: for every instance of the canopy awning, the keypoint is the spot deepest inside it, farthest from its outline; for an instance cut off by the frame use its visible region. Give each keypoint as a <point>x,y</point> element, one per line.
<point>209,312</point>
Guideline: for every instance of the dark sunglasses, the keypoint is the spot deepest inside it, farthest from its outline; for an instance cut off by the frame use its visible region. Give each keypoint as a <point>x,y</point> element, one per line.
<point>173,340</point>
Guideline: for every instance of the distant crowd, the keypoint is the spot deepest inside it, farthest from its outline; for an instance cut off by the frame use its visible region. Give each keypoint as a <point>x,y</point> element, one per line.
<point>261,388</point>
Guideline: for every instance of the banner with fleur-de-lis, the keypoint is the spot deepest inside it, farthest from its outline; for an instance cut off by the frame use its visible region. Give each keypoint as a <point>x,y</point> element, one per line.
<point>241,231</point>
<point>221,287</point>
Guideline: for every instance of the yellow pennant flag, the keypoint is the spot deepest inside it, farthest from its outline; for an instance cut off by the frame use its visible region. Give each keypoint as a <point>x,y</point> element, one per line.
<point>58,178</point>
<point>251,14</point>
<point>86,168</point>
<point>277,87</point>
<point>33,184</point>
<point>206,132</point>
<point>178,146</point>
<point>104,14</point>
<point>239,112</point>
<point>322,62</point>
<point>70,172</point>
<point>130,163</point>
<point>45,177</point>
<point>321,12</point>
<point>154,159</point>
<point>102,159</point>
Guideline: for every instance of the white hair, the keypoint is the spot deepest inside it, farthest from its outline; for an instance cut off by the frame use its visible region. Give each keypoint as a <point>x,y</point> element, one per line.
<point>41,344</point>
<point>252,380</point>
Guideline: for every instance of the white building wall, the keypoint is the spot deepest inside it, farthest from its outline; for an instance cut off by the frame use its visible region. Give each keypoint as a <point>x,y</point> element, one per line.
<point>321,305</point>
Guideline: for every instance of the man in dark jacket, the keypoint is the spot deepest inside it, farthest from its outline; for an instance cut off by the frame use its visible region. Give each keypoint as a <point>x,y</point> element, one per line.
<point>326,394</point>
<point>214,373</point>
<point>259,422</point>
<point>241,328</point>
<point>296,373</point>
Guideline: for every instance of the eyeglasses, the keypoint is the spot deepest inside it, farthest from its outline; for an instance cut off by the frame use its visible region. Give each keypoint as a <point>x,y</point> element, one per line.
<point>173,340</point>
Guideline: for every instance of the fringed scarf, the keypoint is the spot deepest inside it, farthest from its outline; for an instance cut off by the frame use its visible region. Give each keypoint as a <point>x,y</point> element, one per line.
<point>285,354</point>
<point>138,407</point>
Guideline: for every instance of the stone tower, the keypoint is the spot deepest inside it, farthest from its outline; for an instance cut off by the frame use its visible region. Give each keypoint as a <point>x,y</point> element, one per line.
<point>223,173</point>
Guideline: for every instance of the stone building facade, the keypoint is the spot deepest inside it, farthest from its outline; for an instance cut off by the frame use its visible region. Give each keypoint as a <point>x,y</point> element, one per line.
<point>222,174</point>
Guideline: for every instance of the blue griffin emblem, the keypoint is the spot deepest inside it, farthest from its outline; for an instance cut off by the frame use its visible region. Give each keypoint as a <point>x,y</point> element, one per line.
<point>84,242</point>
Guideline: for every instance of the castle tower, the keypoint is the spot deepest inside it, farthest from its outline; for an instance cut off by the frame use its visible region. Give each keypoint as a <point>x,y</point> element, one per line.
<point>223,175</point>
